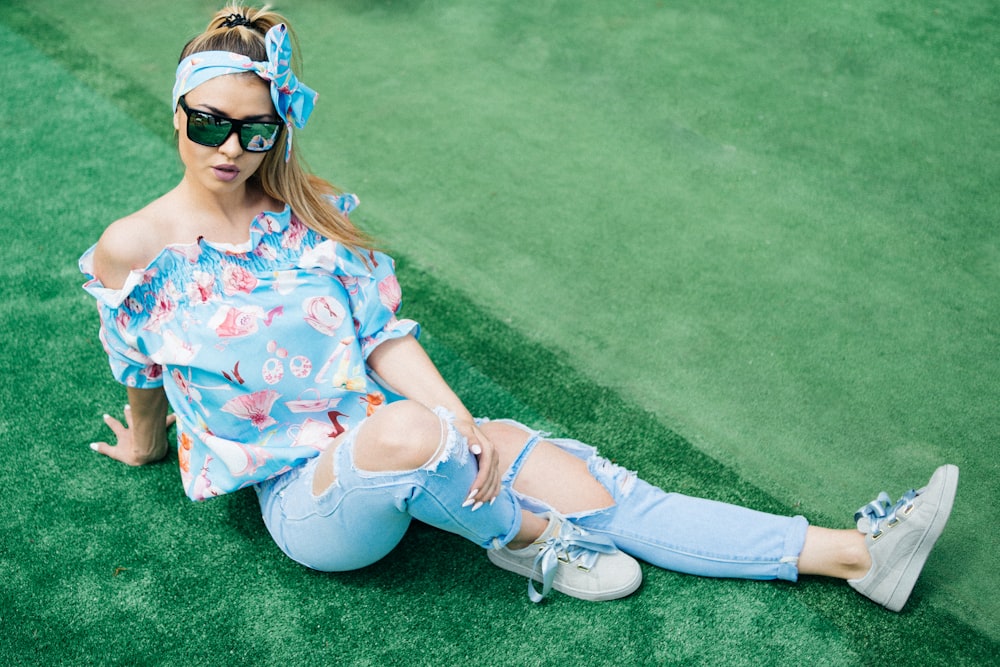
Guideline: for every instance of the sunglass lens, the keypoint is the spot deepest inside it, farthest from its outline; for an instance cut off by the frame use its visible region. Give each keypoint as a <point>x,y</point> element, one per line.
<point>259,137</point>
<point>207,130</point>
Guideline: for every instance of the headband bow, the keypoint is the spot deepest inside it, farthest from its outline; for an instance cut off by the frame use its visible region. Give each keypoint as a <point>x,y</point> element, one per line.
<point>293,100</point>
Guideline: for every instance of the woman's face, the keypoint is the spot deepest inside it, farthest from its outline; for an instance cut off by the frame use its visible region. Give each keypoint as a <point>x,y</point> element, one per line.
<point>224,168</point>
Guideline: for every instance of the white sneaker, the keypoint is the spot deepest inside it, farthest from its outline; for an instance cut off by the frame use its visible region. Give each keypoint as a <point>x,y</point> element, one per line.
<point>571,560</point>
<point>900,536</point>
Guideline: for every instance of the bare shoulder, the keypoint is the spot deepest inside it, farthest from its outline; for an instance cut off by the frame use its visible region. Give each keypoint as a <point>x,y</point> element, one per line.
<point>130,243</point>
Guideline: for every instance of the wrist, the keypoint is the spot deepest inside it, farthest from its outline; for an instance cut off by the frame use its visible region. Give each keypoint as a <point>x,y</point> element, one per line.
<point>150,456</point>
<point>149,445</point>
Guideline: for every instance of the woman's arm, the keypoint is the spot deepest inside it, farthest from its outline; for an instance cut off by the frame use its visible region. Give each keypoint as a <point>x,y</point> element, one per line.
<point>406,368</point>
<point>143,437</point>
<point>126,244</point>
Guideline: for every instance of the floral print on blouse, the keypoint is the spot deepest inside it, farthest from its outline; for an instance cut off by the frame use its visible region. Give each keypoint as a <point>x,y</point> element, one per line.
<point>261,347</point>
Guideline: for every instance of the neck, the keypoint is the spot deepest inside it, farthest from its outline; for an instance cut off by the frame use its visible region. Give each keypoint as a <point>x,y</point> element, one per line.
<point>231,206</point>
<point>218,216</point>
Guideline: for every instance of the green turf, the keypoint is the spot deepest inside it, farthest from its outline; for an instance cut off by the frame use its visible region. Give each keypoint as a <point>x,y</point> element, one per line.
<point>427,120</point>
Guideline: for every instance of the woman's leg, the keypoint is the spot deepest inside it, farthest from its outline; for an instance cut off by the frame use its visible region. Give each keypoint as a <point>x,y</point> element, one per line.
<point>350,506</point>
<point>407,436</point>
<point>669,530</point>
<point>881,560</point>
<point>408,461</point>
<point>841,554</point>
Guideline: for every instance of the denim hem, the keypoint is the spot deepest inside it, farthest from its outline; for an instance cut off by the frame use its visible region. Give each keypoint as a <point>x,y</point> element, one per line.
<point>795,540</point>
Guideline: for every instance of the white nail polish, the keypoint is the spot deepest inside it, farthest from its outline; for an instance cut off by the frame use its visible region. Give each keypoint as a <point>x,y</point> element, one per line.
<point>476,449</point>
<point>468,502</point>
<point>93,446</point>
<point>477,506</point>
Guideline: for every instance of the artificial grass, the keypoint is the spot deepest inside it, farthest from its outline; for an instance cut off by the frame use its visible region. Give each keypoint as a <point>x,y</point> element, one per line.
<point>769,226</point>
<point>112,565</point>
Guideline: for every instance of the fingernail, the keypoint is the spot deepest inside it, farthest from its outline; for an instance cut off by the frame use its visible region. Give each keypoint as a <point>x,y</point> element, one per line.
<point>476,449</point>
<point>468,502</point>
<point>93,446</point>
<point>477,506</point>
<point>128,407</point>
<point>494,500</point>
<point>107,417</point>
<point>472,494</point>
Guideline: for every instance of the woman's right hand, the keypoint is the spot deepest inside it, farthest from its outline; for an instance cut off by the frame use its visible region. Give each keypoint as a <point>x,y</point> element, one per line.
<point>128,448</point>
<point>486,486</point>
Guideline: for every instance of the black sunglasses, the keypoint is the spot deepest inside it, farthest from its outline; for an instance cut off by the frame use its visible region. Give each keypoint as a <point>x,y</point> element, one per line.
<point>208,129</point>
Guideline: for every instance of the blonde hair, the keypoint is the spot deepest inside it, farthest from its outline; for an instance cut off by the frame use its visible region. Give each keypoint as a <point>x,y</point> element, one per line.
<point>289,182</point>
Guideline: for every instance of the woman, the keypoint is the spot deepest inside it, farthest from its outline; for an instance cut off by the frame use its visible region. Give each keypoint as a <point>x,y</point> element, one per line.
<point>245,300</point>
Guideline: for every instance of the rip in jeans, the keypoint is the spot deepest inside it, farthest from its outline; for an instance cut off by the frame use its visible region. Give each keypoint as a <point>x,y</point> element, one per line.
<point>451,446</point>
<point>615,479</point>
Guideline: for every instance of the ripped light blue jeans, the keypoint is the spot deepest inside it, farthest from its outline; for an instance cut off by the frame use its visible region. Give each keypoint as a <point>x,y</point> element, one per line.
<point>363,515</point>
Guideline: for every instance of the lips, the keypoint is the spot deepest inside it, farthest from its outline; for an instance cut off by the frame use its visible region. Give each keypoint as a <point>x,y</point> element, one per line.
<point>226,172</point>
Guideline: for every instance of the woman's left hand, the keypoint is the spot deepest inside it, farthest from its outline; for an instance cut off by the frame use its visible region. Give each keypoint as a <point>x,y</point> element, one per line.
<point>486,486</point>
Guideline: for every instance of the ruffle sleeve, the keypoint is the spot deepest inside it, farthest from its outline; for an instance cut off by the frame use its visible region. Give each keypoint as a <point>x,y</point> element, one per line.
<point>130,365</point>
<point>372,288</point>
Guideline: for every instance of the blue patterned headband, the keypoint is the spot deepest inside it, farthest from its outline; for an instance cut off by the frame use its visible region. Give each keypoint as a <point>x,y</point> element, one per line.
<point>292,99</point>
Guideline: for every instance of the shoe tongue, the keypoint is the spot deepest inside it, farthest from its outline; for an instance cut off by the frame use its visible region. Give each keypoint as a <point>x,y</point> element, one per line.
<point>551,531</point>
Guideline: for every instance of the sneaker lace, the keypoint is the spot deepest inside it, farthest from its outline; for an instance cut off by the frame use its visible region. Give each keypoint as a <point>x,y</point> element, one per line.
<point>571,544</point>
<point>882,513</point>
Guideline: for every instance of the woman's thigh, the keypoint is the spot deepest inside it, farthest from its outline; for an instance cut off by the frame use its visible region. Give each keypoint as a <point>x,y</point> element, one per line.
<point>549,473</point>
<point>339,529</point>
<point>356,516</point>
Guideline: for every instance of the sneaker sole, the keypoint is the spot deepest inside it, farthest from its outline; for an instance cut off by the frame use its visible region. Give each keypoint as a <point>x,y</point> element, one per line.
<point>901,593</point>
<point>497,558</point>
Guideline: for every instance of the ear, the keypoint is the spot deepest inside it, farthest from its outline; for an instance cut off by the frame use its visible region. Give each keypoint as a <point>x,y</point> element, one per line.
<point>178,112</point>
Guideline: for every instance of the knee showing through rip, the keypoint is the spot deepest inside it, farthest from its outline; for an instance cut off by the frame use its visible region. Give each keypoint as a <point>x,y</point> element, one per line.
<point>400,436</point>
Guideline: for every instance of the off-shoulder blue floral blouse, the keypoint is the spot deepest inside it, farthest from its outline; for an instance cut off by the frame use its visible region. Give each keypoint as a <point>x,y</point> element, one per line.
<point>261,347</point>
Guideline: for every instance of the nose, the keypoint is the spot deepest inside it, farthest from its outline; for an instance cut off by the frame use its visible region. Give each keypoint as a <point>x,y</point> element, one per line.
<point>231,147</point>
